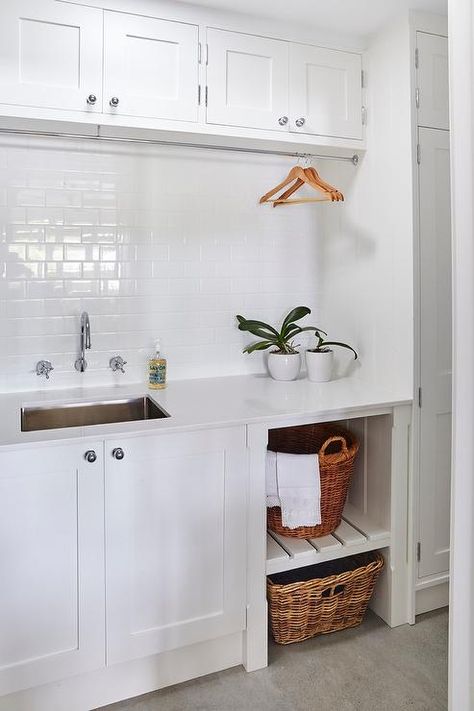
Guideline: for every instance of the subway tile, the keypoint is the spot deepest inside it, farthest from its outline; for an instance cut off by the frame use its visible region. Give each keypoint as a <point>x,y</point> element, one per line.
<point>77,216</point>
<point>26,197</point>
<point>25,233</point>
<point>82,287</point>
<point>62,234</point>
<point>45,289</point>
<point>63,198</point>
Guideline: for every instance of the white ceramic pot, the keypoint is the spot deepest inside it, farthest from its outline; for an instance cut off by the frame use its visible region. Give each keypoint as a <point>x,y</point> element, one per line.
<point>284,366</point>
<point>319,365</point>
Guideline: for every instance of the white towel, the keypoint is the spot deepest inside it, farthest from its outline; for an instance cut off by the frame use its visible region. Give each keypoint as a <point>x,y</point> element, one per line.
<point>298,488</point>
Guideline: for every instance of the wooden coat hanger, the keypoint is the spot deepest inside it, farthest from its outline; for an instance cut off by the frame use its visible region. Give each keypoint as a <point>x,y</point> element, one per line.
<point>300,176</point>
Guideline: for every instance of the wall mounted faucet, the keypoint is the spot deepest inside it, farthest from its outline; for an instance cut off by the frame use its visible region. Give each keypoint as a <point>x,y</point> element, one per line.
<point>44,367</point>
<point>117,363</point>
<point>81,363</point>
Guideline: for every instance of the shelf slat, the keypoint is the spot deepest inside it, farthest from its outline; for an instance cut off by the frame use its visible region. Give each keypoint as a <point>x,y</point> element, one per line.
<point>325,544</point>
<point>274,551</point>
<point>373,531</point>
<point>348,535</point>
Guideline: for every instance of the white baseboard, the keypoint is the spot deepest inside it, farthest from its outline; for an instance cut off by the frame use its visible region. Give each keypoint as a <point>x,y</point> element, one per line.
<point>431,598</point>
<point>124,681</point>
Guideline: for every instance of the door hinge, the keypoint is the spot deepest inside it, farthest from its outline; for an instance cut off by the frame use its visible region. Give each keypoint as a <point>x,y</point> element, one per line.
<point>362,78</point>
<point>206,96</point>
<point>199,95</point>
<point>418,551</point>
<point>417,58</point>
<point>418,153</point>
<point>199,53</point>
<point>364,115</point>
<point>419,397</point>
<point>417,98</point>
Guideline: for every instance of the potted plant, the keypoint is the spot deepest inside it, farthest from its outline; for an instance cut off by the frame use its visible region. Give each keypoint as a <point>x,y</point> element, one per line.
<point>284,361</point>
<point>319,360</point>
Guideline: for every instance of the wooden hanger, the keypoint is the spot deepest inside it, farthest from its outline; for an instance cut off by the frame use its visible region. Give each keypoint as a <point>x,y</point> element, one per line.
<point>300,176</point>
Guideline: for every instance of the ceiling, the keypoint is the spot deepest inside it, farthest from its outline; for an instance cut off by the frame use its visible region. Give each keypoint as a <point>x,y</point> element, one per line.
<point>360,17</point>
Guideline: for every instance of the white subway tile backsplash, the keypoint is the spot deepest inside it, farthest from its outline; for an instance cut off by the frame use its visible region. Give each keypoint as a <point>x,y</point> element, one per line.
<point>113,231</point>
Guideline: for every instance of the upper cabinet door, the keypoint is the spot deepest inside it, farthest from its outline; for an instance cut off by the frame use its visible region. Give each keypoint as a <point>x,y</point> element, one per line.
<point>151,67</point>
<point>247,80</point>
<point>50,55</point>
<point>325,92</point>
<point>432,81</point>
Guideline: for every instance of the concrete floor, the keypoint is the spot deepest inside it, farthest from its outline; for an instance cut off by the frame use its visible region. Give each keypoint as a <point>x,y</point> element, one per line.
<point>369,668</point>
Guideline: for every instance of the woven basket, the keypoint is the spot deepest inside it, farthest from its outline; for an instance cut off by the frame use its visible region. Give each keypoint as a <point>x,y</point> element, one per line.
<point>322,598</point>
<point>337,450</point>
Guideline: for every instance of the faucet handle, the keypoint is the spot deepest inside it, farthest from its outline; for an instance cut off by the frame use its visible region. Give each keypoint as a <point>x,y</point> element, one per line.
<point>44,367</point>
<point>117,363</point>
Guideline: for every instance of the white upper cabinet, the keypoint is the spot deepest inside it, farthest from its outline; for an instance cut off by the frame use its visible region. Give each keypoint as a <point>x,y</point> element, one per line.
<point>325,92</point>
<point>175,540</point>
<point>247,80</point>
<point>50,55</point>
<point>52,594</point>
<point>432,80</point>
<point>151,67</point>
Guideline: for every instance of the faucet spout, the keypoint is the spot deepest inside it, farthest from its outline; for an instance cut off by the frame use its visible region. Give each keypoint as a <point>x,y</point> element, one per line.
<point>81,363</point>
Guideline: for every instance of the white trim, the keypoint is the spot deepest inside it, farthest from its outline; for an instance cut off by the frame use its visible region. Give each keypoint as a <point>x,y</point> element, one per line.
<point>461,657</point>
<point>431,599</point>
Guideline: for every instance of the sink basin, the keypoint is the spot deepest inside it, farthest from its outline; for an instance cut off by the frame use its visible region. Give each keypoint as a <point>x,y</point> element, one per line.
<point>81,414</point>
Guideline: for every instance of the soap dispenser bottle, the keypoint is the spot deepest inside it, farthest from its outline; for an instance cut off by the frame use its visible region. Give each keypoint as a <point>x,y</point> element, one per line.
<point>157,370</point>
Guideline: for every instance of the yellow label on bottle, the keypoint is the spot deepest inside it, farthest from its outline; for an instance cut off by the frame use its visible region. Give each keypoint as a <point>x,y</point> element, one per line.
<point>157,373</point>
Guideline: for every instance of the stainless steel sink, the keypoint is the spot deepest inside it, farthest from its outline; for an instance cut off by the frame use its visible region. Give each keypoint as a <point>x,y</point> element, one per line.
<point>81,414</point>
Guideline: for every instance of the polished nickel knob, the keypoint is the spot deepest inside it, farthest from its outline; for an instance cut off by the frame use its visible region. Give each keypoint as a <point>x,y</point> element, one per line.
<point>91,99</point>
<point>114,101</point>
<point>283,120</point>
<point>90,456</point>
<point>44,367</point>
<point>117,363</point>
<point>118,453</point>
<point>300,122</point>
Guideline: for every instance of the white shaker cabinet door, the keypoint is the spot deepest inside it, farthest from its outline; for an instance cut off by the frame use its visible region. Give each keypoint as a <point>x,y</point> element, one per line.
<point>432,80</point>
<point>52,589</point>
<point>50,55</point>
<point>151,67</point>
<point>175,541</point>
<point>247,79</point>
<point>435,352</point>
<point>325,92</point>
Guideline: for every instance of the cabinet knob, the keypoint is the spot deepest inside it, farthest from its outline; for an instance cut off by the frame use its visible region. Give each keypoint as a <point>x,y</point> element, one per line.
<point>283,120</point>
<point>114,101</point>
<point>300,122</point>
<point>91,99</point>
<point>118,453</point>
<point>90,456</point>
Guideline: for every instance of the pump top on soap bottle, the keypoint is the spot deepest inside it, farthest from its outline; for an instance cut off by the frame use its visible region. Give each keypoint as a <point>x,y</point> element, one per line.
<point>157,369</point>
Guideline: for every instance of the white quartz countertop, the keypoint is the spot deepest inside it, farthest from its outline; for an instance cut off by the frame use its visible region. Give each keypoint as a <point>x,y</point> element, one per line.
<point>211,402</point>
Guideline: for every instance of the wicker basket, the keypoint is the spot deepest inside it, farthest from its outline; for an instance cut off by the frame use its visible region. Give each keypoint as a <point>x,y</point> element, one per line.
<point>321,598</point>
<point>337,450</point>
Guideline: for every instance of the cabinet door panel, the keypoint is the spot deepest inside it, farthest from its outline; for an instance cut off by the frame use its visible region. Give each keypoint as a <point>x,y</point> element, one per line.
<point>50,55</point>
<point>151,66</point>
<point>433,80</point>
<point>247,80</point>
<point>325,90</point>
<point>51,565</point>
<point>175,516</point>
<point>435,355</point>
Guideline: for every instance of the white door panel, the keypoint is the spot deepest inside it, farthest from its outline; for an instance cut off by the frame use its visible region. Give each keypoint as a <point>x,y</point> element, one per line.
<point>247,80</point>
<point>50,55</point>
<point>325,91</point>
<point>435,351</point>
<point>433,80</point>
<point>51,565</point>
<point>151,67</point>
<point>175,517</point>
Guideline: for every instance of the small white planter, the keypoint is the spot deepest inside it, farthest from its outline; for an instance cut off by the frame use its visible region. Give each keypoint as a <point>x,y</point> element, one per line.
<point>319,366</point>
<point>284,366</point>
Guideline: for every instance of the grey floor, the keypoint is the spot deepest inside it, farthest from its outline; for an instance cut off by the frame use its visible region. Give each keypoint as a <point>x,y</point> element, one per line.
<point>369,668</point>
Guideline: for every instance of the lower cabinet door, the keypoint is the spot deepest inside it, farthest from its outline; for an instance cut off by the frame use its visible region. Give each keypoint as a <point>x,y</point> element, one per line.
<point>175,540</point>
<point>52,588</point>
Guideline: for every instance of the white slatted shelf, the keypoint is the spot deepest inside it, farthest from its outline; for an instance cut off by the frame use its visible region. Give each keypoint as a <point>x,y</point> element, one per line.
<point>287,553</point>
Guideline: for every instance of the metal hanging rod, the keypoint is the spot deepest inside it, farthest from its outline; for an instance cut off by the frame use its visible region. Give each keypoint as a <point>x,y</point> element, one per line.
<point>354,159</point>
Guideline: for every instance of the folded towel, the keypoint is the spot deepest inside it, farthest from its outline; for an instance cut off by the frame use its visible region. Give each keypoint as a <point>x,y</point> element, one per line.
<point>271,480</point>
<point>298,488</point>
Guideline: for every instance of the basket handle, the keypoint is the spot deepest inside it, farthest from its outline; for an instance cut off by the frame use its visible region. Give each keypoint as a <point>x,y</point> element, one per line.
<point>330,440</point>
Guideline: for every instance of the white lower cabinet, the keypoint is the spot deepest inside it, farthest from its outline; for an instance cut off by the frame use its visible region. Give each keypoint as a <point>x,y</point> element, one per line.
<point>175,540</point>
<point>51,564</point>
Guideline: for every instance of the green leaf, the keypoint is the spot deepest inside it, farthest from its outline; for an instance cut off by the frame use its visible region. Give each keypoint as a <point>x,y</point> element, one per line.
<point>259,346</point>
<point>337,343</point>
<point>249,324</point>
<point>295,315</point>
